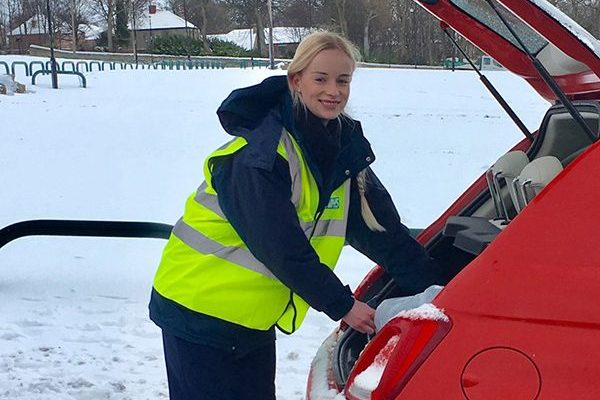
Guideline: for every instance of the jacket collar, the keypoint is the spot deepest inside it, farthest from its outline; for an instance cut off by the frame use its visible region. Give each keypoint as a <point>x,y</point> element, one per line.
<point>259,114</point>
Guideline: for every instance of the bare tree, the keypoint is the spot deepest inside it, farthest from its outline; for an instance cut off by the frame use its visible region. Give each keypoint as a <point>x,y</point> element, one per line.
<point>209,16</point>
<point>373,8</point>
<point>585,12</point>
<point>394,31</point>
<point>341,15</point>
<point>4,25</point>
<point>250,13</point>
<point>202,9</point>
<point>105,9</point>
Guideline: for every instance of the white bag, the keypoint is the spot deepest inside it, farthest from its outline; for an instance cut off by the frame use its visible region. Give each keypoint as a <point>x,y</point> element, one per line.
<point>389,308</point>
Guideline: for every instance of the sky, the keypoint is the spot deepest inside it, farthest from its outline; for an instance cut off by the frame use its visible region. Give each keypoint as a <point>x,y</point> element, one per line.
<point>130,147</point>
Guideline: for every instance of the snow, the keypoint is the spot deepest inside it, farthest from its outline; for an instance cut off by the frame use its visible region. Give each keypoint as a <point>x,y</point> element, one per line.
<point>424,312</point>
<point>91,31</point>
<point>281,35</point>
<point>9,84</point>
<point>392,308</point>
<point>35,25</point>
<point>320,389</point>
<point>368,380</point>
<point>73,311</point>
<point>162,19</point>
<point>587,38</point>
<point>370,377</point>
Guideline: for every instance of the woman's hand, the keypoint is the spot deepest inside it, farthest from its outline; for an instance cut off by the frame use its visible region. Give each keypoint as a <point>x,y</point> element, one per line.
<point>361,318</point>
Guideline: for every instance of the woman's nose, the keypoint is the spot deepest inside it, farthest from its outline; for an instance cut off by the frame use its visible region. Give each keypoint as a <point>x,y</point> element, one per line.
<point>332,88</point>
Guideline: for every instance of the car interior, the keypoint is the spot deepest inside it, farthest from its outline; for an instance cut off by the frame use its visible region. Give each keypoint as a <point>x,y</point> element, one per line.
<point>513,181</point>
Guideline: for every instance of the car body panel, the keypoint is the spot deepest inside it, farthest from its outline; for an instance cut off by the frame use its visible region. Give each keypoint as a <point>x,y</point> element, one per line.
<point>531,291</point>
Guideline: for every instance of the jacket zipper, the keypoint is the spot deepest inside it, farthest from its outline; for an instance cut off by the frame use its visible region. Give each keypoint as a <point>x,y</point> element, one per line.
<point>317,217</point>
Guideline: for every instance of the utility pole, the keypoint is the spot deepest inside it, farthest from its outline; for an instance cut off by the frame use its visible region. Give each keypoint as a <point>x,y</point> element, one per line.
<point>271,49</point>
<point>151,11</point>
<point>111,23</point>
<point>52,59</point>
<point>135,54</point>
<point>185,17</point>
<point>73,27</point>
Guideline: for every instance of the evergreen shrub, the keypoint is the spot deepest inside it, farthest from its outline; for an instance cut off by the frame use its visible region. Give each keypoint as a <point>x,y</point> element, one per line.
<point>179,45</point>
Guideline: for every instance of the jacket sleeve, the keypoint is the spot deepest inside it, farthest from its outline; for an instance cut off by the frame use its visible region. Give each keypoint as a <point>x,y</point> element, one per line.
<point>394,250</point>
<point>256,201</point>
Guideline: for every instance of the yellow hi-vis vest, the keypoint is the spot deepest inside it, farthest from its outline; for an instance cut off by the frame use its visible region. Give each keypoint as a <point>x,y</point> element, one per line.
<point>207,268</point>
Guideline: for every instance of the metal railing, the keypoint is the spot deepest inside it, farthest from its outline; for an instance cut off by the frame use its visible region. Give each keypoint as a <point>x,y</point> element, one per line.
<point>58,227</point>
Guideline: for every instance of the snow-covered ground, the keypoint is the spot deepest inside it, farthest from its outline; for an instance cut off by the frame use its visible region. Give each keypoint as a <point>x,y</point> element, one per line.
<point>73,311</point>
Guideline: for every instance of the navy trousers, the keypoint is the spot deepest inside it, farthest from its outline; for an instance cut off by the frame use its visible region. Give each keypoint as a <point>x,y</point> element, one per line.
<point>203,372</point>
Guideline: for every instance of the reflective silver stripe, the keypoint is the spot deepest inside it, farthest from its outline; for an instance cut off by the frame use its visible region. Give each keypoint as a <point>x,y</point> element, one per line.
<point>331,227</point>
<point>237,255</point>
<point>347,188</point>
<point>209,201</point>
<point>227,144</point>
<point>294,165</point>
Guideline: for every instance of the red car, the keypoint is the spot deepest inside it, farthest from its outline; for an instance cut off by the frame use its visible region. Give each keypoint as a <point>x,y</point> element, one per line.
<point>518,318</point>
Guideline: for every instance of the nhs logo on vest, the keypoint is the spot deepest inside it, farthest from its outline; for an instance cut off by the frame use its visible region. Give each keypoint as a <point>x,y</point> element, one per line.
<point>334,203</point>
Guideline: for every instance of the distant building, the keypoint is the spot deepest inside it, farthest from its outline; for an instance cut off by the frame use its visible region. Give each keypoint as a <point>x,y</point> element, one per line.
<point>489,64</point>
<point>162,23</point>
<point>285,39</point>
<point>35,31</point>
<point>32,31</point>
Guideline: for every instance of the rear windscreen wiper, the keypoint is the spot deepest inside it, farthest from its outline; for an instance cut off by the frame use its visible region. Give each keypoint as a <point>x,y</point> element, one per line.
<point>546,76</point>
<point>490,87</point>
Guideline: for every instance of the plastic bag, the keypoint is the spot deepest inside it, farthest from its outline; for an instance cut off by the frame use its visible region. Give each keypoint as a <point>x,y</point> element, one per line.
<point>389,308</point>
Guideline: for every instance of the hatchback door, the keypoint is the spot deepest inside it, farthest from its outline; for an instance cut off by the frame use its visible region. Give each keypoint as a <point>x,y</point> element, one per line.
<point>569,53</point>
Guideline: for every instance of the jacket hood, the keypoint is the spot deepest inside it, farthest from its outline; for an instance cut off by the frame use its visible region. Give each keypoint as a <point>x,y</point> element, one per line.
<point>258,113</point>
<point>245,109</point>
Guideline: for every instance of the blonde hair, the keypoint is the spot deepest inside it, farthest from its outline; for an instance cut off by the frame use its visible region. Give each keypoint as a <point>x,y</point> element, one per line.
<point>365,210</point>
<point>312,45</point>
<point>308,49</point>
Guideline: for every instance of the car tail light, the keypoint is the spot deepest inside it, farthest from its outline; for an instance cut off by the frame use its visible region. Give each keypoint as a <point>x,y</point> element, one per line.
<point>393,356</point>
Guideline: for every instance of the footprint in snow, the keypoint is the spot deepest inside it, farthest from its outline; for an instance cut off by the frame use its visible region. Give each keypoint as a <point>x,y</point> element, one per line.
<point>85,327</point>
<point>10,336</point>
<point>118,386</point>
<point>27,323</point>
<point>31,299</point>
<point>105,296</point>
<point>80,383</point>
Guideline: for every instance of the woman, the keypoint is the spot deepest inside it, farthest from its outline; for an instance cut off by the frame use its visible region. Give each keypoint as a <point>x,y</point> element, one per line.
<point>259,239</point>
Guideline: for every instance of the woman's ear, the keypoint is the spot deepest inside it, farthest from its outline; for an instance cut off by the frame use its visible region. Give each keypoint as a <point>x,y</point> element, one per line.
<point>295,81</point>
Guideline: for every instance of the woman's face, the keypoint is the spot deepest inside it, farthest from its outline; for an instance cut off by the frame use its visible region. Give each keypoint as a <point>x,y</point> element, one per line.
<point>324,86</point>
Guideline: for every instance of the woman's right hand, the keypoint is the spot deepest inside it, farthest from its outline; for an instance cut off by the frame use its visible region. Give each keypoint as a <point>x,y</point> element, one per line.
<point>361,318</point>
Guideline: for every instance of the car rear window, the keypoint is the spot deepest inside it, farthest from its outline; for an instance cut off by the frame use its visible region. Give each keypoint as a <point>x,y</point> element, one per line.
<point>485,14</point>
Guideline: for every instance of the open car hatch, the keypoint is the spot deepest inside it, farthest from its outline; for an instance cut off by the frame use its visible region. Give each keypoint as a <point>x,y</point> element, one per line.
<point>569,53</point>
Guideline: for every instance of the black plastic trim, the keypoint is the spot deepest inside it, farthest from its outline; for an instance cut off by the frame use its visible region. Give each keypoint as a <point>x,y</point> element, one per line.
<point>57,227</point>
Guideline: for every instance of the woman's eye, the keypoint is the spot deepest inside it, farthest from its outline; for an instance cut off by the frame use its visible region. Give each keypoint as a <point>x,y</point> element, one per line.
<point>320,80</point>
<point>344,82</point>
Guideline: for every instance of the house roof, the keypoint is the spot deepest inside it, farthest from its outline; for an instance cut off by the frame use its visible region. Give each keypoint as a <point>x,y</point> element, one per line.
<point>162,19</point>
<point>281,35</point>
<point>91,31</point>
<point>35,25</point>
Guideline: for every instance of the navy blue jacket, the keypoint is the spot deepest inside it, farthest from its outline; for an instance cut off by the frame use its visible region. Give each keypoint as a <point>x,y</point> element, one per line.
<point>254,188</point>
